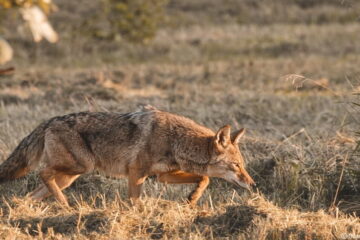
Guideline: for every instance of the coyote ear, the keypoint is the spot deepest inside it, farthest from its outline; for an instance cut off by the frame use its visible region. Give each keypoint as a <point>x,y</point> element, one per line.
<point>222,137</point>
<point>235,136</point>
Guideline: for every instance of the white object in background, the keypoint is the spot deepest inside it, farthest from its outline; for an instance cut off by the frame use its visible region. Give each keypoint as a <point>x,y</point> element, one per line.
<point>6,52</point>
<point>39,25</point>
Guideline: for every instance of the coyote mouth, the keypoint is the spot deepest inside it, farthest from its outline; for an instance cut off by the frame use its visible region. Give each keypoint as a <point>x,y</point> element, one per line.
<point>242,184</point>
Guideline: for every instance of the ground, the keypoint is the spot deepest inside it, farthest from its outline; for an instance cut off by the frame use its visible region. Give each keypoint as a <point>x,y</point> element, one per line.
<point>289,77</point>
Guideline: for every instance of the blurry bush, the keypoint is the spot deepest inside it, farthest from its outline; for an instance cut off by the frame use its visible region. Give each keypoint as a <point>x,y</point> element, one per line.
<point>45,5</point>
<point>134,20</point>
<point>34,13</point>
<point>6,52</point>
<point>313,3</point>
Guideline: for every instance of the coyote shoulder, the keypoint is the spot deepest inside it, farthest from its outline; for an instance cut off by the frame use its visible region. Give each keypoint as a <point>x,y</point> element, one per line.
<point>139,144</point>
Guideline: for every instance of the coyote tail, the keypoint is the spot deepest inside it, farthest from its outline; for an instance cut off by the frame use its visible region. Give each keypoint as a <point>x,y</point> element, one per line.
<point>25,157</point>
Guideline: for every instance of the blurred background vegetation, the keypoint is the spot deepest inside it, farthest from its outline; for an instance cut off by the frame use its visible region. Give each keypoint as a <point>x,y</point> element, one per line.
<point>109,30</point>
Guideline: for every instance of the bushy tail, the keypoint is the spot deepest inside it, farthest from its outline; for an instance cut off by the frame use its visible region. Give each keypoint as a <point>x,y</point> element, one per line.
<point>25,157</point>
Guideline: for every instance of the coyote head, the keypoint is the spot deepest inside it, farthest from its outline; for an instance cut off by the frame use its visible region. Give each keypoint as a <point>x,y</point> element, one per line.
<point>226,160</point>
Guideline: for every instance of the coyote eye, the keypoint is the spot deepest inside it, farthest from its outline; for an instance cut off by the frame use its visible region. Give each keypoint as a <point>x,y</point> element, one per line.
<point>237,165</point>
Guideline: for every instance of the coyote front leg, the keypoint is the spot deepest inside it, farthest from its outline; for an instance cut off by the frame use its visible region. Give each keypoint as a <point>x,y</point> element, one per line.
<point>184,177</point>
<point>197,193</point>
<point>135,181</point>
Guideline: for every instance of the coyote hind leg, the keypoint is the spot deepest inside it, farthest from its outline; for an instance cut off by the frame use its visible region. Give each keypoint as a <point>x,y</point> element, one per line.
<point>66,155</point>
<point>62,180</point>
<point>184,177</point>
<point>48,177</point>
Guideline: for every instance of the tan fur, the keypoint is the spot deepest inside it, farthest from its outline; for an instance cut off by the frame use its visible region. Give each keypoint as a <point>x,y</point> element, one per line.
<point>137,145</point>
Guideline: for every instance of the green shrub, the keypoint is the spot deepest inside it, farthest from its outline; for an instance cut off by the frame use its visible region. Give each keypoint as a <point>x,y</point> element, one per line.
<point>135,20</point>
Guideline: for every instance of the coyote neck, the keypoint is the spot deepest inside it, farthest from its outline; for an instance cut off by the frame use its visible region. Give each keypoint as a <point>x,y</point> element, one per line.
<point>193,153</point>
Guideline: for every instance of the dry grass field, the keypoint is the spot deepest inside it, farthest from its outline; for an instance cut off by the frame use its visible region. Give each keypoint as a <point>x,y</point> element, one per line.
<point>287,71</point>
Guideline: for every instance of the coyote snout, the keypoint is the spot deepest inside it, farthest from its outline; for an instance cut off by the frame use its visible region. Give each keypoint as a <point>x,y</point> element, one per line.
<point>139,144</point>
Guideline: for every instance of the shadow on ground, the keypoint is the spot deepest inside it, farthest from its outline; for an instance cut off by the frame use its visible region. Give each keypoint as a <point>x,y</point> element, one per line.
<point>64,224</point>
<point>235,220</point>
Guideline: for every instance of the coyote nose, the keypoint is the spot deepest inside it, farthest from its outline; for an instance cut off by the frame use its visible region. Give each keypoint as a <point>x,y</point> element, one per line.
<point>249,180</point>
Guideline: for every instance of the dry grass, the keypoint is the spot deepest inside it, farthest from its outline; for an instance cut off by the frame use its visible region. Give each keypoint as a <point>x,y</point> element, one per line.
<point>300,139</point>
<point>295,157</point>
<point>250,217</point>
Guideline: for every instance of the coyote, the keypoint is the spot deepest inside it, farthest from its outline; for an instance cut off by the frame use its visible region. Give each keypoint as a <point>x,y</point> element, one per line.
<point>148,142</point>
